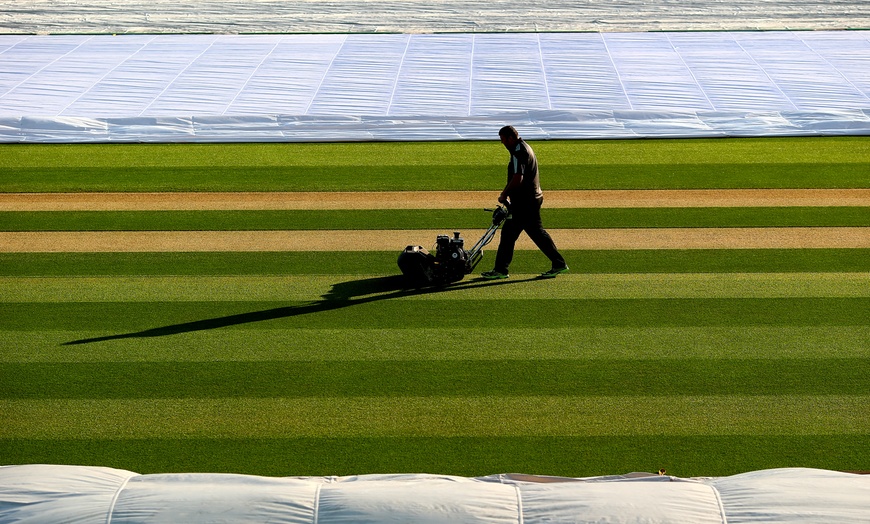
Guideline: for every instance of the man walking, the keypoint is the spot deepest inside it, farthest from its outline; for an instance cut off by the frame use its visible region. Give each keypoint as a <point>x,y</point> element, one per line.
<point>524,195</point>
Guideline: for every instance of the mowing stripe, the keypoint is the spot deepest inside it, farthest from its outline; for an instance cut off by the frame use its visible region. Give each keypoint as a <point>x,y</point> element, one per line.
<point>156,319</point>
<point>344,287</point>
<point>342,200</point>
<point>441,378</point>
<point>729,174</point>
<point>480,343</point>
<point>437,416</point>
<point>446,219</point>
<point>212,241</point>
<point>685,456</point>
<point>823,162</point>
<point>362,263</point>
<point>820,150</point>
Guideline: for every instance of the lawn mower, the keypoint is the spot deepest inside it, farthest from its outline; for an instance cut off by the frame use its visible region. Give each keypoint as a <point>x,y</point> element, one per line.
<point>451,261</point>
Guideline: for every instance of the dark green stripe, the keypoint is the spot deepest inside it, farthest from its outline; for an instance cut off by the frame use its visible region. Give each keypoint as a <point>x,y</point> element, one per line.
<point>805,162</point>
<point>448,219</point>
<point>470,456</point>
<point>266,263</point>
<point>712,261</point>
<point>384,262</point>
<point>436,177</point>
<point>846,376</point>
<point>258,263</point>
<point>760,175</point>
<point>150,319</point>
<point>257,177</point>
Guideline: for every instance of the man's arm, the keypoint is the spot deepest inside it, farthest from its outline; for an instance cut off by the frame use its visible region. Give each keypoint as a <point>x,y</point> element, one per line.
<point>512,184</point>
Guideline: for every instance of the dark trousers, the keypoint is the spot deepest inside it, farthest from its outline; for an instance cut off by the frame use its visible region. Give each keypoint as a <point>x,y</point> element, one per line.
<point>525,217</point>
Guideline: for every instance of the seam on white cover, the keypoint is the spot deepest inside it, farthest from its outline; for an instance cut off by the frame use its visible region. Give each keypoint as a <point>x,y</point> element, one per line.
<point>616,70</point>
<point>719,503</point>
<point>325,74</point>
<point>764,71</point>
<point>544,73</point>
<point>519,504</point>
<point>115,498</point>
<point>317,503</point>
<point>691,73</point>
<point>471,75</point>
<point>177,76</point>
<point>398,74</point>
<point>43,68</point>
<point>251,76</point>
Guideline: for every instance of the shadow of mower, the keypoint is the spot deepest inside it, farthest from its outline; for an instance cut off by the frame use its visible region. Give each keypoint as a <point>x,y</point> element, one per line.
<point>340,295</point>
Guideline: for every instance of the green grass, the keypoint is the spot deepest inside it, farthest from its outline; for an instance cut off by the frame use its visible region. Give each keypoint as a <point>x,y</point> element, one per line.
<point>836,162</point>
<point>148,319</point>
<point>454,416</point>
<point>704,362</point>
<point>384,262</point>
<point>707,455</point>
<point>339,345</point>
<point>416,378</point>
<point>435,177</point>
<point>314,288</point>
<point>427,219</point>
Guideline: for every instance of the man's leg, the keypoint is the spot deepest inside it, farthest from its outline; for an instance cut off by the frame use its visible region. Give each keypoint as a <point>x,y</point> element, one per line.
<point>534,227</point>
<point>545,243</point>
<point>510,232</point>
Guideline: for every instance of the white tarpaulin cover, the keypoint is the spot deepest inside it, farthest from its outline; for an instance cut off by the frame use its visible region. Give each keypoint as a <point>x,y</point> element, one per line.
<point>48,493</point>
<point>330,87</point>
<point>432,16</point>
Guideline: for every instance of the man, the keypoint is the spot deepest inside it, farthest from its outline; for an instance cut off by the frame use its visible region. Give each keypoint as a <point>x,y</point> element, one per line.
<point>523,193</point>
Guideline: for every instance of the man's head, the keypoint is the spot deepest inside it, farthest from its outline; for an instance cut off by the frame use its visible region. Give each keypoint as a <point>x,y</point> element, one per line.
<point>509,136</point>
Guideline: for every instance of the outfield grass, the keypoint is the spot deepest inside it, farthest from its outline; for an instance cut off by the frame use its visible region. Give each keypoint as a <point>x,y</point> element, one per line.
<point>361,263</point>
<point>704,362</point>
<point>553,455</point>
<point>812,162</point>
<point>447,219</point>
<point>414,378</point>
<point>440,416</point>
<point>348,288</point>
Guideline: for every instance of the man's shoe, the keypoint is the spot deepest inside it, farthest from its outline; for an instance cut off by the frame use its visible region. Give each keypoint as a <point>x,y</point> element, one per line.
<point>553,272</point>
<point>493,275</point>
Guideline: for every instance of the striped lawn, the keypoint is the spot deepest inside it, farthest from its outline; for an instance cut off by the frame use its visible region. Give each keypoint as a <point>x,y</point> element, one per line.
<point>721,454</point>
<point>361,263</point>
<point>438,176</point>
<point>659,360</point>
<point>589,343</point>
<point>427,219</point>
<point>701,361</point>
<point>324,288</point>
<point>573,374</point>
<point>438,416</point>
<point>132,320</point>
<point>823,162</point>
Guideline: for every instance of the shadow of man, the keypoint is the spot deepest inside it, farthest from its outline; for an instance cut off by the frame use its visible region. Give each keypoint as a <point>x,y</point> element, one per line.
<point>340,295</point>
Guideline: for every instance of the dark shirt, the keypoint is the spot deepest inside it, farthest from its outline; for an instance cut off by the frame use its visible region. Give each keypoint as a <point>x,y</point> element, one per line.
<point>523,161</point>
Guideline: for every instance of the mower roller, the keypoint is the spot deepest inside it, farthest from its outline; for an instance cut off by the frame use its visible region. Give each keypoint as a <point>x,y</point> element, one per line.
<point>451,261</point>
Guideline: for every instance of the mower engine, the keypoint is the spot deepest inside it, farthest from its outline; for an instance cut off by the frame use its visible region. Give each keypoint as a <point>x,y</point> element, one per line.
<point>450,262</point>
